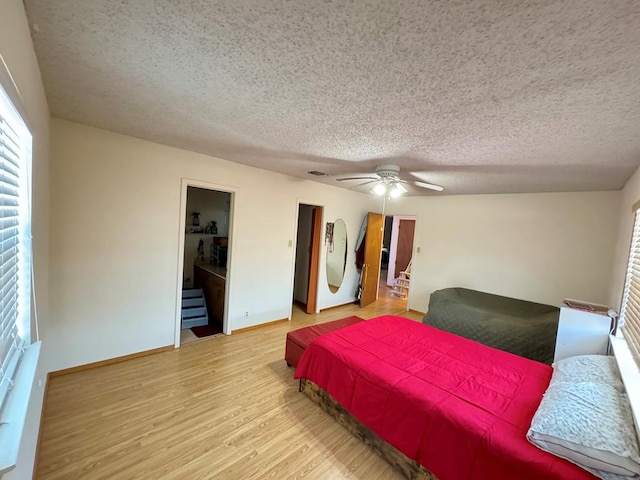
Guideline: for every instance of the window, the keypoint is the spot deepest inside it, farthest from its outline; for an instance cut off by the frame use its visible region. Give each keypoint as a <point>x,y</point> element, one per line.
<point>626,343</point>
<point>15,249</point>
<point>630,311</point>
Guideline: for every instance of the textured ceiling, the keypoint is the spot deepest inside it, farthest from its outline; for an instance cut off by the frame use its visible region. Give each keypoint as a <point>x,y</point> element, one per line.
<point>479,96</point>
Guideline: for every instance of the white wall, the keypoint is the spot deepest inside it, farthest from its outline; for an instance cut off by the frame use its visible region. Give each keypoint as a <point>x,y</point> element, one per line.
<point>630,195</point>
<point>17,53</point>
<point>303,244</point>
<point>538,247</point>
<point>114,249</point>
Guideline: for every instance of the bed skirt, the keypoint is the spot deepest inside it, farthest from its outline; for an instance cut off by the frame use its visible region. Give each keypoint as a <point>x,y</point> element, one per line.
<point>409,468</point>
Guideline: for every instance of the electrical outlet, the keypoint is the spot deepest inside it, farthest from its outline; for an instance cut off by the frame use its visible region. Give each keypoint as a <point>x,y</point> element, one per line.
<point>246,313</point>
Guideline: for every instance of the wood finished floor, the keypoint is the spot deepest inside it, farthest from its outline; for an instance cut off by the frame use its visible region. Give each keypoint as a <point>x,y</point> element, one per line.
<point>220,408</point>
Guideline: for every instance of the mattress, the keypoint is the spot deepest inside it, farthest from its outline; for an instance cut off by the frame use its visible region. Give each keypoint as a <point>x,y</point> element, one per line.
<point>517,326</point>
<point>459,408</point>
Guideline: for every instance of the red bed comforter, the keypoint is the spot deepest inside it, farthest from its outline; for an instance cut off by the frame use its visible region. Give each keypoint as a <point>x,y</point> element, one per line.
<point>461,409</point>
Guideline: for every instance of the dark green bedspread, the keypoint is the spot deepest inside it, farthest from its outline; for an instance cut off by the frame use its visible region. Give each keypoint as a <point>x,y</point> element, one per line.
<point>525,328</point>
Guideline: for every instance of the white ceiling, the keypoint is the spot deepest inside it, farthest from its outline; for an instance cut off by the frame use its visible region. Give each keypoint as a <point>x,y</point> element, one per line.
<point>480,96</point>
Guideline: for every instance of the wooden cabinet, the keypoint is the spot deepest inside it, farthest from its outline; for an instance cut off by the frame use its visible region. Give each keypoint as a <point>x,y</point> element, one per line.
<point>218,298</point>
<point>213,287</point>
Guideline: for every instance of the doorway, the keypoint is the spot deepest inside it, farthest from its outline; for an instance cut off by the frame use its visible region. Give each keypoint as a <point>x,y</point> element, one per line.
<point>384,253</point>
<point>206,221</point>
<point>400,254</point>
<point>384,263</point>
<point>305,276</point>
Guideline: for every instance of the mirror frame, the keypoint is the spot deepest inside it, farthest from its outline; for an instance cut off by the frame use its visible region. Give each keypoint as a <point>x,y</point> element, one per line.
<point>337,249</point>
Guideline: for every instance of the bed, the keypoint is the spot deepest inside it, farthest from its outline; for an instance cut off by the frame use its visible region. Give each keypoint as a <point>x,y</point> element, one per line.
<point>445,406</point>
<point>517,326</point>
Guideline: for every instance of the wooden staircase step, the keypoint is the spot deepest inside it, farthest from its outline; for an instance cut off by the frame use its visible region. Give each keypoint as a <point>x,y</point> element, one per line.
<point>191,292</point>
<point>194,322</point>
<point>194,312</point>
<point>193,302</point>
<point>194,308</point>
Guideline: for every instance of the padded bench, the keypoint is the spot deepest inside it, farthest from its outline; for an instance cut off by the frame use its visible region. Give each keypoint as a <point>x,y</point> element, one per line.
<point>297,340</point>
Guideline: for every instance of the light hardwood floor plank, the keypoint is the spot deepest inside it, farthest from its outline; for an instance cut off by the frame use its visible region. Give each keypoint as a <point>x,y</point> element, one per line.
<point>226,407</point>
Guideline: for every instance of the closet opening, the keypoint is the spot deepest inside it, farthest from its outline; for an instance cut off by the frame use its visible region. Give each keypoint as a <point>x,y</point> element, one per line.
<point>307,260</point>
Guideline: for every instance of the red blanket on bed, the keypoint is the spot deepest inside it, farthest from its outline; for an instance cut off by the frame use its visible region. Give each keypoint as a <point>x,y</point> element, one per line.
<point>461,409</point>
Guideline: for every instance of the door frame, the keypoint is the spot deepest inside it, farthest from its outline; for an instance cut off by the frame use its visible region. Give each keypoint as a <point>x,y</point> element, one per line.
<point>184,184</point>
<point>316,238</point>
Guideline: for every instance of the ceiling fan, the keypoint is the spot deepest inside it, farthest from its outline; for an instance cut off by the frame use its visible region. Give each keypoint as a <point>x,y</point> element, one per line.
<point>388,181</point>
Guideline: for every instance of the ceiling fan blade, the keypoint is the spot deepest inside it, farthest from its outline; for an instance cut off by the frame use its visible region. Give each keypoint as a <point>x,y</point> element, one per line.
<point>400,188</point>
<point>356,178</point>
<point>430,186</point>
<point>365,183</point>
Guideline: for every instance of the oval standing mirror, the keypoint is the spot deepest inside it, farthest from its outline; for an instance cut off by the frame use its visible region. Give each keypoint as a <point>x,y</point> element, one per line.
<point>336,254</point>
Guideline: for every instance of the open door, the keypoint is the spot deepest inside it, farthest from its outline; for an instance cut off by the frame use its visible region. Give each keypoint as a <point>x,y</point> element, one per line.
<point>314,260</point>
<point>372,258</point>
<point>404,251</point>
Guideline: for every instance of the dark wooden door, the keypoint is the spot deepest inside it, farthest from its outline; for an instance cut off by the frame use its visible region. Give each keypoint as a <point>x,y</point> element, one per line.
<point>404,249</point>
<point>314,259</point>
<point>372,257</point>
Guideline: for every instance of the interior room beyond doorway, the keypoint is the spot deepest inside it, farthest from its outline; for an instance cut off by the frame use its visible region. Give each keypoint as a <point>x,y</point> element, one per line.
<point>305,276</point>
<point>397,255</point>
<point>206,249</point>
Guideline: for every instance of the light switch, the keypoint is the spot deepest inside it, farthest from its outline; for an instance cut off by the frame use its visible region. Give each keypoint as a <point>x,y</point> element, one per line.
<point>417,249</point>
<point>290,243</point>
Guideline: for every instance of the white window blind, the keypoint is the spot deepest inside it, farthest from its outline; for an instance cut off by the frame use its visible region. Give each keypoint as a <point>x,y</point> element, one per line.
<point>630,311</point>
<point>15,243</point>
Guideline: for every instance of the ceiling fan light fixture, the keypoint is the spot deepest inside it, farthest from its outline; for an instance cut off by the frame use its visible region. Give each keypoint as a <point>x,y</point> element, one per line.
<point>397,189</point>
<point>387,181</point>
<point>379,189</point>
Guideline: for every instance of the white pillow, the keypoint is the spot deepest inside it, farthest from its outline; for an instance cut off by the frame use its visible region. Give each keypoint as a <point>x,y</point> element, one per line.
<point>588,368</point>
<point>590,425</point>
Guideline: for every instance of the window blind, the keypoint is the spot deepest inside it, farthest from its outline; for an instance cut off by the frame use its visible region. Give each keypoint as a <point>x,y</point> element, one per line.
<point>15,245</point>
<point>630,311</point>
